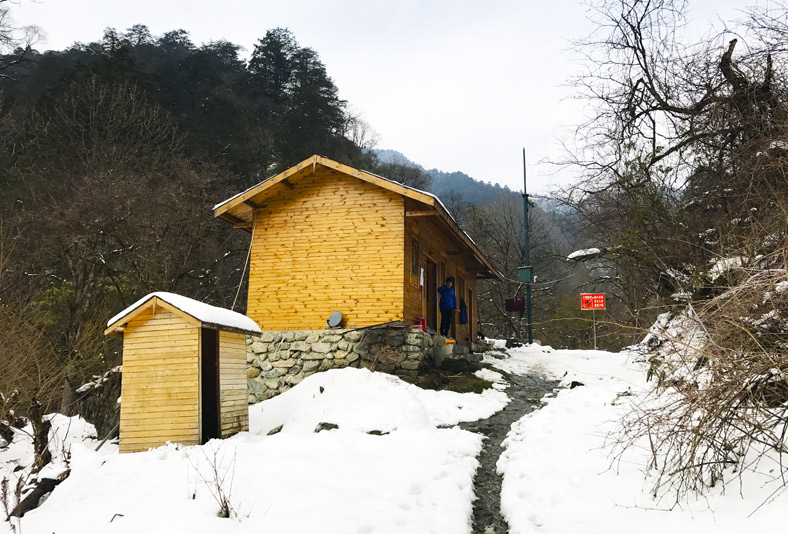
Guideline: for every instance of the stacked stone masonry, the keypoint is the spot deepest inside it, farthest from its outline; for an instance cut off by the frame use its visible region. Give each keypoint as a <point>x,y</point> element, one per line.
<point>279,360</point>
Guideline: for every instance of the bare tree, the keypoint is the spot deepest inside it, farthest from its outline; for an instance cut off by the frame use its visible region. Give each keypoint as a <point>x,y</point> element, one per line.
<point>16,43</point>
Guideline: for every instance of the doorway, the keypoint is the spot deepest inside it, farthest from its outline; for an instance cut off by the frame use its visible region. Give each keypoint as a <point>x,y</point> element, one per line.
<point>209,387</point>
<point>432,295</point>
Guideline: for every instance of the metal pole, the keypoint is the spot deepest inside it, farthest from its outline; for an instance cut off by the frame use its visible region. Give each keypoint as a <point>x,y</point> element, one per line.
<point>527,253</point>
<point>593,318</point>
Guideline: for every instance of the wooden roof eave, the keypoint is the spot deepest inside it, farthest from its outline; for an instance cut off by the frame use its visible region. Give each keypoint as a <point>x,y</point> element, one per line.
<point>227,210</point>
<point>477,254</point>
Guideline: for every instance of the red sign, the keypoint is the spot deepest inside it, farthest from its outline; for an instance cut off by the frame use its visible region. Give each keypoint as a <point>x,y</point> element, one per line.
<point>592,301</point>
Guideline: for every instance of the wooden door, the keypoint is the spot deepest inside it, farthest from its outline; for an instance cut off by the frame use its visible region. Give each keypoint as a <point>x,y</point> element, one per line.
<point>431,291</point>
<point>209,385</point>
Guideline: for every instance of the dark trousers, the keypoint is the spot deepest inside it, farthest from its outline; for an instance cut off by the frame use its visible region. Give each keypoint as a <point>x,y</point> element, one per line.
<point>446,315</point>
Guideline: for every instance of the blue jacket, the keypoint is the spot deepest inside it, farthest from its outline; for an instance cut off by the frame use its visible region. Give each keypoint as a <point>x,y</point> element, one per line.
<point>448,298</point>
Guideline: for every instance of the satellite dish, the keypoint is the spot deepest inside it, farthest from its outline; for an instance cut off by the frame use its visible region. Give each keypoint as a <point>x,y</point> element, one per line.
<point>335,319</point>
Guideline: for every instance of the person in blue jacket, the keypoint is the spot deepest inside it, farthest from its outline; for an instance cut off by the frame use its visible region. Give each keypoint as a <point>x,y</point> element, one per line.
<point>447,305</point>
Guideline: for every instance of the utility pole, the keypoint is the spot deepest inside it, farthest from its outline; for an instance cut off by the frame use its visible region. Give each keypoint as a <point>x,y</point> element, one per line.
<point>525,273</point>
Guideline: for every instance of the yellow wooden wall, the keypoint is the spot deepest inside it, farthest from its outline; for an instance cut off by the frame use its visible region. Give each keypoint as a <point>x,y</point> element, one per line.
<point>436,243</point>
<point>233,395</point>
<point>160,395</point>
<point>332,243</point>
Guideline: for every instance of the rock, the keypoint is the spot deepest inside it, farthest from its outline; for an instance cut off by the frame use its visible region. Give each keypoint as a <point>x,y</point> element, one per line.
<point>258,347</point>
<point>284,363</point>
<point>343,345</point>
<point>574,384</point>
<point>250,356</point>
<point>312,356</point>
<point>377,433</point>
<point>513,343</point>
<point>325,365</point>
<point>353,336</point>
<point>321,347</point>
<point>288,336</point>
<point>271,383</point>
<point>339,354</point>
<point>312,338</point>
<point>252,372</point>
<point>301,346</point>
<point>325,426</point>
<point>416,355</point>
<point>332,338</point>
<point>270,337</point>
<point>410,365</point>
<point>273,373</point>
<point>340,363</point>
<point>255,387</point>
<point>251,399</point>
<point>311,365</point>
<point>361,348</point>
<point>265,365</point>
<point>414,339</point>
<point>351,357</point>
<point>300,336</point>
<point>291,380</point>
<point>276,430</point>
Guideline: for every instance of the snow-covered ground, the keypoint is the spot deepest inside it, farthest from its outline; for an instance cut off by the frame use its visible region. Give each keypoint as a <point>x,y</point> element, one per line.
<point>397,464</point>
<point>559,476</point>
<point>415,477</point>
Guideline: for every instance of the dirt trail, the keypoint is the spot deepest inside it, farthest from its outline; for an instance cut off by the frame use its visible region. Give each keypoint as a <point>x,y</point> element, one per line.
<point>524,392</point>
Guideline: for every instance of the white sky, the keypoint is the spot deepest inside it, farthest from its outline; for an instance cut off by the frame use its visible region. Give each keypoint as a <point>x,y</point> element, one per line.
<point>458,85</point>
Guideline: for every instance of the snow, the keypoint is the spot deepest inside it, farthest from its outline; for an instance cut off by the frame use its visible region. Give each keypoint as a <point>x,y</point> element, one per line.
<point>781,287</point>
<point>417,477</point>
<point>583,254</point>
<point>722,266</point>
<point>559,475</point>
<point>199,310</point>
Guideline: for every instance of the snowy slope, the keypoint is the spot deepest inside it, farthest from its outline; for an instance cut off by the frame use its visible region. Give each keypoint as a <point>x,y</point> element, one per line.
<point>559,476</point>
<point>416,478</point>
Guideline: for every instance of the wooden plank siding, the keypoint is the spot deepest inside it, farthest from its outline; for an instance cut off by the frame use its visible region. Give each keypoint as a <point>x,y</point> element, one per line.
<point>332,243</point>
<point>437,244</point>
<point>160,396</point>
<point>233,395</point>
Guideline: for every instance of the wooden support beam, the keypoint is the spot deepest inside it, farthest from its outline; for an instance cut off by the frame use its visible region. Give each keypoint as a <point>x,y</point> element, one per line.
<point>242,225</point>
<point>459,253</point>
<point>287,183</point>
<point>253,205</point>
<point>231,218</point>
<point>423,213</point>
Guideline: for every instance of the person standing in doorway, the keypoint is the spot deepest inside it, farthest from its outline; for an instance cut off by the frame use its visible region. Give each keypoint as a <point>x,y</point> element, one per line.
<point>448,305</point>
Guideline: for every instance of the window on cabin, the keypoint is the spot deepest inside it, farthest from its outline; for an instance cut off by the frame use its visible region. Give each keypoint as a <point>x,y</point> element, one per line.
<point>414,258</point>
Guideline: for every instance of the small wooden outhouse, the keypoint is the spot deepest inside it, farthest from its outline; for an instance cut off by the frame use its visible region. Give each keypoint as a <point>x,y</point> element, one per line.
<point>184,371</point>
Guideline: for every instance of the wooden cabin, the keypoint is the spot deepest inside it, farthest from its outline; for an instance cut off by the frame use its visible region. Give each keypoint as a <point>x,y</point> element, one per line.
<point>326,237</point>
<point>184,371</point>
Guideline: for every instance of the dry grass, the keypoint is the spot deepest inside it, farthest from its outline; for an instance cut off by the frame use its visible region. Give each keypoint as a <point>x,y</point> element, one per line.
<point>721,405</point>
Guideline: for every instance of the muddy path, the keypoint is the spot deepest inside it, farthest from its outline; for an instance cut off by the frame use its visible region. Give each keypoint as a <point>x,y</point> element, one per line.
<point>524,392</point>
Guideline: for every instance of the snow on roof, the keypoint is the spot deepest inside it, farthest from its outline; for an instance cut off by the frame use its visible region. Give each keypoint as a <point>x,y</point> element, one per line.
<point>204,313</point>
<point>583,254</point>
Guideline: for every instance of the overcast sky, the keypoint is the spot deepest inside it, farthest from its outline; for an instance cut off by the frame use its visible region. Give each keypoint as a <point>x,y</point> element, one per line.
<point>458,85</point>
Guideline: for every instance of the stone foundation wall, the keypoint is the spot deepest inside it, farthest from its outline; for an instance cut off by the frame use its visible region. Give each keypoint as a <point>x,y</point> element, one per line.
<point>279,360</point>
